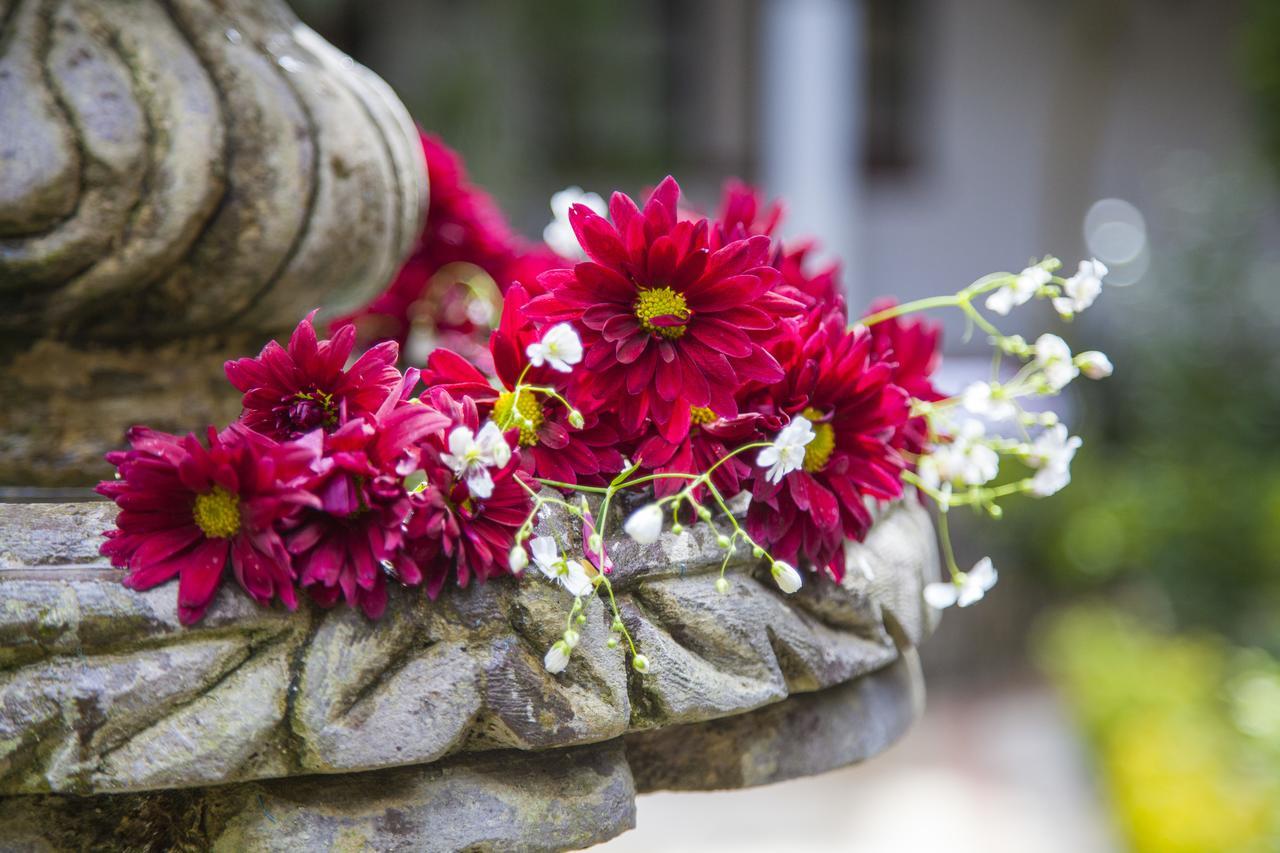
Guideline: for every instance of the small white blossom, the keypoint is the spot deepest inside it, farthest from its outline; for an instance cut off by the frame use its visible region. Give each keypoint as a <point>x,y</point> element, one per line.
<point>786,454</point>
<point>967,589</point>
<point>470,456</point>
<point>1051,453</point>
<point>1018,291</point>
<point>480,311</point>
<point>518,559</point>
<point>568,573</point>
<point>645,524</point>
<point>1094,364</point>
<point>560,347</point>
<point>640,664</point>
<point>988,400</point>
<point>572,638</point>
<point>965,461</point>
<point>559,233</point>
<point>1053,357</point>
<point>786,577</point>
<point>1081,289</point>
<point>557,657</point>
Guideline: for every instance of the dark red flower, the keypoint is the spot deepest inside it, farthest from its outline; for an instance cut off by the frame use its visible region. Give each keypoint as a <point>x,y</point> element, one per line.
<point>344,546</point>
<point>551,447</point>
<point>743,213</point>
<point>186,510</point>
<point>476,533</point>
<point>833,381</point>
<point>290,392</point>
<point>667,324</point>
<point>913,345</point>
<point>466,246</point>
<point>710,439</point>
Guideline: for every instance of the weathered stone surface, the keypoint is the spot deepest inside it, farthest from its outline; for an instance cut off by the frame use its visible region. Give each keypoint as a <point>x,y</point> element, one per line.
<point>808,734</point>
<point>102,690</point>
<point>499,800</point>
<point>179,181</point>
<point>495,801</point>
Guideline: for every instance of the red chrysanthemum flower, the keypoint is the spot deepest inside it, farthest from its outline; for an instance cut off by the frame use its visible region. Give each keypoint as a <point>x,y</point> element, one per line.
<point>710,439</point>
<point>551,447</point>
<point>188,510</point>
<point>914,347</point>
<point>667,324</point>
<point>476,533</point>
<point>833,381</point>
<point>344,546</point>
<point>743,214</point>
<point>465,242</point>
<point>290,392</point>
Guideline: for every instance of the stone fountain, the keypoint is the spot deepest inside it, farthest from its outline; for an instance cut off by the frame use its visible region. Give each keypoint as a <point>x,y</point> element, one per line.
<point>180,181</point>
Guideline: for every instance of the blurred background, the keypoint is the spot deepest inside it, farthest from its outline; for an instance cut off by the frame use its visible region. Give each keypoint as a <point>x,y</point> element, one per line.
<point>1121,688</point>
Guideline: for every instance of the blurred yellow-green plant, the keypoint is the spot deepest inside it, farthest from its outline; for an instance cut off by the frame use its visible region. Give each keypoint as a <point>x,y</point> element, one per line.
<point>1185,730</point>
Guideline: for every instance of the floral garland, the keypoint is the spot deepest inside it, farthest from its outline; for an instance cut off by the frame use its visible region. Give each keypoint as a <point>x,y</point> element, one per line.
<point>646,350</point>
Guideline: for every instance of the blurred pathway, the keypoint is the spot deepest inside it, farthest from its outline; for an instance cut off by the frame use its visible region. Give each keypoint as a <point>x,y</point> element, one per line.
<point>996,773</point>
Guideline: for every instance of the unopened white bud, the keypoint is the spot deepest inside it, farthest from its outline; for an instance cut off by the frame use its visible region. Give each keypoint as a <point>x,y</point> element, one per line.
<point>1094,364</point>
<point>786,577</point>
<point>640,664</point>
<point>557,657</point>
<point>575,419</point>
<point>571,638</point>
<point>723,542</point>
<point>645,524</point>
<point>722,585</point>
<point>517,560</point>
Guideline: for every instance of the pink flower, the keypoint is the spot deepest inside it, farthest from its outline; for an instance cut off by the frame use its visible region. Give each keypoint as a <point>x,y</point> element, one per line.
<point>345,546</point>
<point>187,510</point>
<point>290,392</point>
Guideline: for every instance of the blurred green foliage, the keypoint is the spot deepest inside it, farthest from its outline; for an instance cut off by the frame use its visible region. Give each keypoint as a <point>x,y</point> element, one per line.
<point>1176,491</point>
<point>1185,730</point>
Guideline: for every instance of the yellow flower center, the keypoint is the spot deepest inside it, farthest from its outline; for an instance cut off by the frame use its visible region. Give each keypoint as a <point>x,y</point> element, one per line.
<point>529,412</point>
<point>818,452</point>
<point>701,415</point>
<point>662,302</point>
<point>217,513</point>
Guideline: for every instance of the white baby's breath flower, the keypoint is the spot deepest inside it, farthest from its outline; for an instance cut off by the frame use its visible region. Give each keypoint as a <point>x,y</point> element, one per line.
<point>645,524</point>
<point>557,657</point>
<point>471,455</point>
<point>786,454</point>
<point>1018,291</point>
<point>1053,357</point>
<point>967,589</point>
<point>965,461</point>
<point>560,347</point>
<point>559,233</point>
<point>786,577</point>
<point>1081,289</point>
<point>568,573</point>
<point>988,400</point>
<point>1051,453</point>
<point>1094,364</point>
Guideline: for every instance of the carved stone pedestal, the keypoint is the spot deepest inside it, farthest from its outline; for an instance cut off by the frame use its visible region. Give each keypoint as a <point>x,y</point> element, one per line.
<point>437,727</point>
<point>180,180</point>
